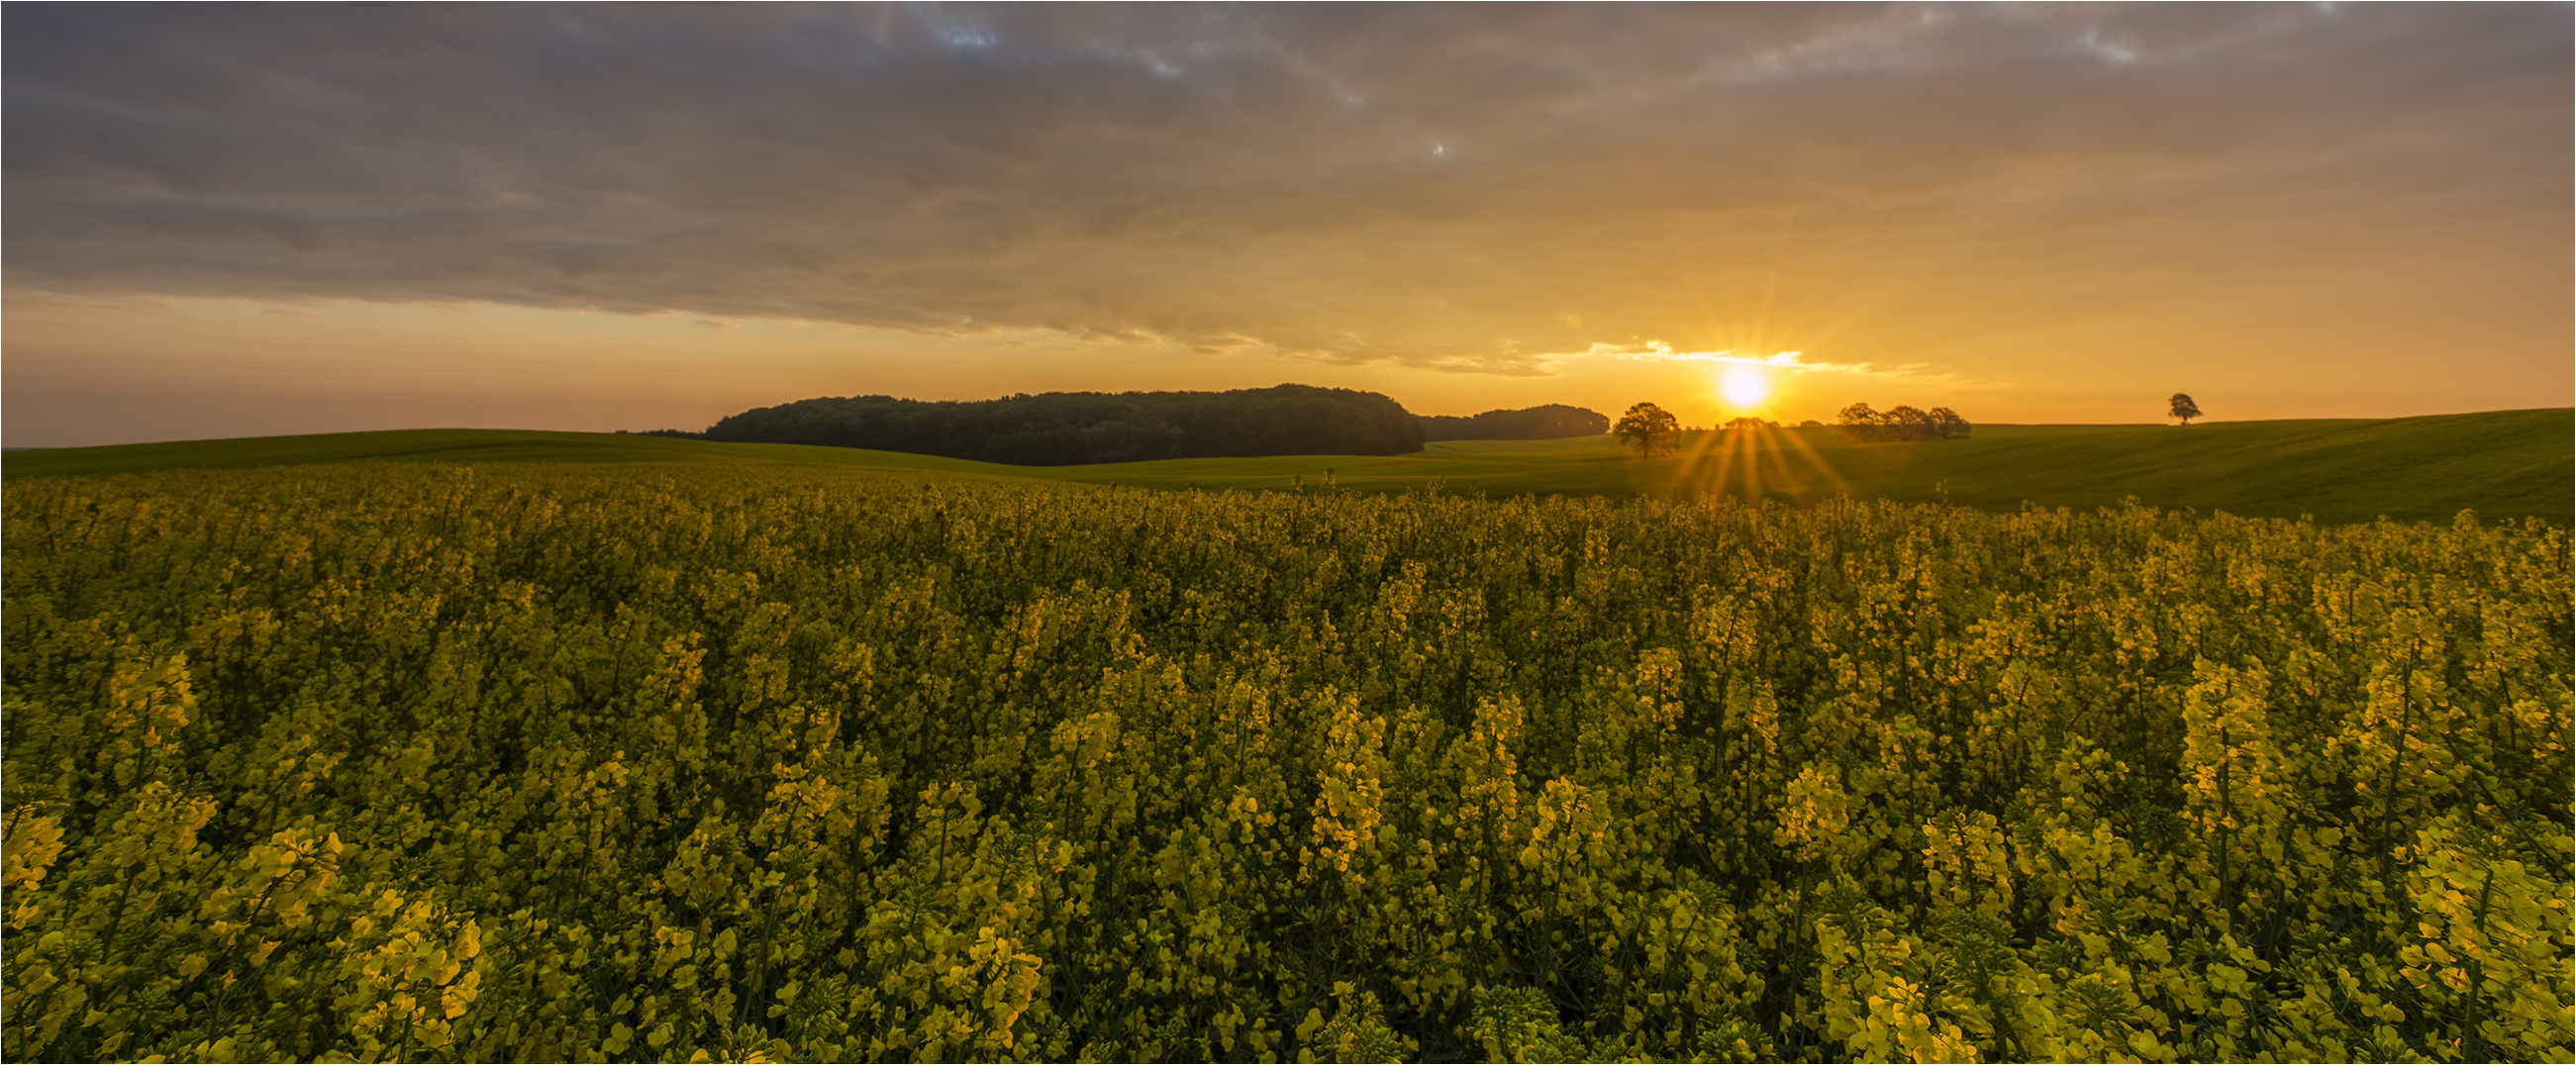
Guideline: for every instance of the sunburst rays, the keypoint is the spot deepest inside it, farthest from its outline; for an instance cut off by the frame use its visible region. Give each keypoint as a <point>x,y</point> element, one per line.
<point>1755,460</point>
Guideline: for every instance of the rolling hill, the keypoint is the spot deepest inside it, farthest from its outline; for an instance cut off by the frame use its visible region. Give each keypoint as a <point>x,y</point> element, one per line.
<point>2503,464</point>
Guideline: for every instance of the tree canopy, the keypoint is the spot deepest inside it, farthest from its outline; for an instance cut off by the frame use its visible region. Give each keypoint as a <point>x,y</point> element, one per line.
<point>1550,421</point>
<point>1650,429</point>
<point>1902,423</point>
<point>2182,407</point>
<point>1074,428</point>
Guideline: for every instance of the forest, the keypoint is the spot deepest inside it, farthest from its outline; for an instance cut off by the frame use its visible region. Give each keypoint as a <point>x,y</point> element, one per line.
<point>1551,421</point>
<point>1078,428</point>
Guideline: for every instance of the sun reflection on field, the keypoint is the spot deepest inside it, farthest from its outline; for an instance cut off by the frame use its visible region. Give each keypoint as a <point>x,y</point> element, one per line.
<point>1752,457</point>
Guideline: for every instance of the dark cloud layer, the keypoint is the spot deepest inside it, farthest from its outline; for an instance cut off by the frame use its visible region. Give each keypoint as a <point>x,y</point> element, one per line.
<point>1448,185</point>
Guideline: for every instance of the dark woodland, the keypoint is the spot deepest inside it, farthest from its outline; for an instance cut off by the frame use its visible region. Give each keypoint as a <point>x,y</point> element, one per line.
<point>1074,428</point>
<point>1551,421</point>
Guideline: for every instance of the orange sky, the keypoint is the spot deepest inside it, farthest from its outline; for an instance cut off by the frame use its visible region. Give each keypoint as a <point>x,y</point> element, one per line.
<point>243,222</point>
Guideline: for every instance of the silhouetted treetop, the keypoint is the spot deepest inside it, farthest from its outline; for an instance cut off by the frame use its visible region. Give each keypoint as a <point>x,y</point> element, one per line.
<point>1902,423</point>
<point>1550,421</point>
<point>1650,429</point>
<point>2182,407</point>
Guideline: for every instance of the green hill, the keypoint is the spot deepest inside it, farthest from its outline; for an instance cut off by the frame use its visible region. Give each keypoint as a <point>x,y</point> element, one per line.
<point>2503,464</point>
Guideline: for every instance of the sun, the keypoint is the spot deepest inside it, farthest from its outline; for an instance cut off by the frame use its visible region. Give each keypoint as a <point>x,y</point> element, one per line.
<point>1745,387</point>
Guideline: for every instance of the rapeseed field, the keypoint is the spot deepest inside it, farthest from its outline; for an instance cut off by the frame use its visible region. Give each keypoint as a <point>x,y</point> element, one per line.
<point>530,762</point>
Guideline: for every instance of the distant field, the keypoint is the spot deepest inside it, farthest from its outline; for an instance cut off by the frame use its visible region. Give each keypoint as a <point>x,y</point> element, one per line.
<point>2503,464</point>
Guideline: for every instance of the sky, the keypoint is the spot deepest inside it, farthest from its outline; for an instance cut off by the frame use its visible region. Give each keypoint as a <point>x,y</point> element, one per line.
<point>235,221</point>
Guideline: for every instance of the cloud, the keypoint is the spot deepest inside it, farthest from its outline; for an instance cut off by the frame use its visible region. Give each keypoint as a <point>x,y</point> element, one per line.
<point>1787,362</point>
<point>1658,351</point>
<point>1466,188</point>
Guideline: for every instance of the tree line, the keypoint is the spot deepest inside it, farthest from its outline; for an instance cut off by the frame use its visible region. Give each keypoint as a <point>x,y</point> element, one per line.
<point>1654,431</point>
<point>1550,421</point>
<point>1076,428</point>
<point>1902,423</point>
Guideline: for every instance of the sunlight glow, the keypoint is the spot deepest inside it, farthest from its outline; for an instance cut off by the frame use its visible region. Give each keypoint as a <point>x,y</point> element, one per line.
<point>1745,387</point>
<point>1758,462</point>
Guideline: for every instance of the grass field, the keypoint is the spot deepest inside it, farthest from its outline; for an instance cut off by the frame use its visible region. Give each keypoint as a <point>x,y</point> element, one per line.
<point>2503,464</point>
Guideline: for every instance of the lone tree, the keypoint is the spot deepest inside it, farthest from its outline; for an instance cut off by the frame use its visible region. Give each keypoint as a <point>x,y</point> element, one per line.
<point>1652,429</point>
<point>2183,408</point>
